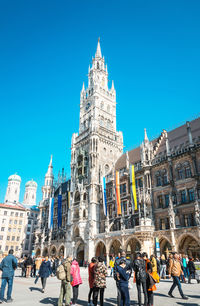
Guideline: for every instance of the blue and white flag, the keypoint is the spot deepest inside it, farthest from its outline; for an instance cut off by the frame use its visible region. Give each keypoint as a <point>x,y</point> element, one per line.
<point>51,208</point>
<point>104,195</point>
<point>59,210</point>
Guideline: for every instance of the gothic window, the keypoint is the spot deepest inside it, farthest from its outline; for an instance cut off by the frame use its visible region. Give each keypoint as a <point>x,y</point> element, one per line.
<point>106,169</point>
<point>183,196</point>
<point>124,207</point>
<point>77,197</point>
<point>85,197</point>
<point>160,201</point>
<point>123,188</point>
<point>84,214</point>
<point>97,65</point>
<point>191,194</point>
<point>166,200</point>
<point>180,174</point>
<point>187,172</point>
<point>165,179</point>
<point>158,180</point>
<point>101,105</point>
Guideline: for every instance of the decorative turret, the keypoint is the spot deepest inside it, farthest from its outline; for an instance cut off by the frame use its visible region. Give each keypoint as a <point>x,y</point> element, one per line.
<point>146,150</point>
<point>48,188</point>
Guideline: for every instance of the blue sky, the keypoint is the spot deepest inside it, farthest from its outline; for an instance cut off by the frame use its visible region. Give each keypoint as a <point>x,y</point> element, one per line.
<point>152,50</point>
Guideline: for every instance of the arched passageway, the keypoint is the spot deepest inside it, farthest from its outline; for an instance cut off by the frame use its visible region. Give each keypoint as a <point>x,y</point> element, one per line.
<point>115,248</point>
<point>188,245</point>
<point>45,252</point>
<point>80,254</point>
<point>101,250</point>
<point>53,252</point>
<point>133,246</point>
<point>61,251</point>
<point>165,247</point>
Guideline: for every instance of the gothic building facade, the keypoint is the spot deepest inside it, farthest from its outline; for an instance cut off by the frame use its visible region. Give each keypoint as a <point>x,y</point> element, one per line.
<point>167,171</point>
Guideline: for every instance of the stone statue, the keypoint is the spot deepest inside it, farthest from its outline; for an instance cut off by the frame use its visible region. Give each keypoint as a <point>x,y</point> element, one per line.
<point>171,214</point>
<point>197,213</point>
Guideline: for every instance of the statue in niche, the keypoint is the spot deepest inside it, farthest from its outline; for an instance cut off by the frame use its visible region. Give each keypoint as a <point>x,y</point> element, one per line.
<point>197,213</point>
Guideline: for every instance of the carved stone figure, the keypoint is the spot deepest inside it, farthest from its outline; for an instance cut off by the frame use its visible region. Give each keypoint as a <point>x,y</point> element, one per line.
<point>197,213</point>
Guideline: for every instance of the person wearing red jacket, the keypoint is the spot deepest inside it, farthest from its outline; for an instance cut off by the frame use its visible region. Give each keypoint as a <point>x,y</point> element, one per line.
<point>91,279</point>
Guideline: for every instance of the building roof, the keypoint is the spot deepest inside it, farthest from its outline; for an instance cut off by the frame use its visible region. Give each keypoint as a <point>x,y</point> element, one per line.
<point>178,138</point>
<point>31,183</point>
<point>14,177</point>
<point>10,206</point>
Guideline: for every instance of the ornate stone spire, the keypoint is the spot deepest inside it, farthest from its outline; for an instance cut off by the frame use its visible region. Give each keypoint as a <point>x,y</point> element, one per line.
<point>98,52</point>
<point>145,136</point>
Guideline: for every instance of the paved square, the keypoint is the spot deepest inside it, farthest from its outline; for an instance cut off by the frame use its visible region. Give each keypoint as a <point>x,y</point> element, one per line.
<point>26,293</point>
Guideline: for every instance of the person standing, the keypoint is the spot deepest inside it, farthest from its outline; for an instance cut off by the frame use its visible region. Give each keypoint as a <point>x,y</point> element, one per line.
<point>175,271</point>
<point>192,270</point>
<point>65,289</point>
<point>100,273</point>
<point>120,256</point>
<point>44,272</point>
<point>139,266</point>
<point>154,265</point>
<point>75,272</point>
<point>111,264</point>
<point>91,279</point>
<point>163,266</point>
<point>28,265</point>
<point>123,277</point>
<point>7,266</point>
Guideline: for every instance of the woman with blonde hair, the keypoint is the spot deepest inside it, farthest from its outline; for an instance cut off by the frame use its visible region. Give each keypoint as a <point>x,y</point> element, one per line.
<point>163,266</point>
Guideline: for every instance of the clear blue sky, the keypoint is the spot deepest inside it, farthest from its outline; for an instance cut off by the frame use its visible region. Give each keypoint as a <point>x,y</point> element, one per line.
<point>152,49</point>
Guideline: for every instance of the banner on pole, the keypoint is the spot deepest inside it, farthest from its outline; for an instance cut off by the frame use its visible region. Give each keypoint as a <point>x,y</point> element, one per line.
<point>104,195</point>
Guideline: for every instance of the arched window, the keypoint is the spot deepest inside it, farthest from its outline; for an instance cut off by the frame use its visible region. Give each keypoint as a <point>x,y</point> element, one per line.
<point>77,196</point>
<point>97,65</point>
<point>106,169</point>
<point>84,214</point>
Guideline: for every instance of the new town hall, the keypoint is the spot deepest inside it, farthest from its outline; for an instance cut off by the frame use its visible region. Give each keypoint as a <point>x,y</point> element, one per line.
<point>167,172</point>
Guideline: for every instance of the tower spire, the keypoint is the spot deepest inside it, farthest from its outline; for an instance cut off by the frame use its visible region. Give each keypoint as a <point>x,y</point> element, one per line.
<point>145,136</point>
<point>98,52</point>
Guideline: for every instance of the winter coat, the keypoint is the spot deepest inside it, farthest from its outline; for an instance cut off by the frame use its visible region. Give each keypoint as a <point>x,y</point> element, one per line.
<point>45,269</point>
<point>128,266</point>
<point>100,273</point>
<point>75,272</point>
<point>139,267</point>
<point>191,267</point>
<point>28,262</point>
<point>8,266</point>
<point>175,268</point>
<point>123,276</point>
<point>91,274</point>
<point>163,262</point>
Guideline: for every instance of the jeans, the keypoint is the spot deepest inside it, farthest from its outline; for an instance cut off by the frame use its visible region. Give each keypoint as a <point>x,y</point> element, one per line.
<point>65,292</point>
<point>163,271</point>
<point>176,282</point>
<point>95,296</point>
<point>118,294</point>
<point>90,294</point>
<point>111,272</point>
<point>4,281</point>
<point>150,297</point>
<point>144,286</point>
<point>75,294</point>
<point>43,281</point>
<point>125,298</point>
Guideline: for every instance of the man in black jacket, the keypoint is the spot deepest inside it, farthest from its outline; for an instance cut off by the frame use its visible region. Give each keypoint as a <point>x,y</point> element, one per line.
<point>139,267</point>
<point>128,269</point>
<point>192,270</point>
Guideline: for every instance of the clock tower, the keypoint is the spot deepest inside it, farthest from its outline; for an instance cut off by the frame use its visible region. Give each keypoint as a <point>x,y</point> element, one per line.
<point>94,151</point>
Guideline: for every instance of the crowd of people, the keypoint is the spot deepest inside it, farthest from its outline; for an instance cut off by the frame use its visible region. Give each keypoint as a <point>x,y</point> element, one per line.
<point>146,273</point>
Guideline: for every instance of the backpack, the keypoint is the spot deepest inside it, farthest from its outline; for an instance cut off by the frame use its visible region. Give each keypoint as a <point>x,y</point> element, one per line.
<point>60,273</point>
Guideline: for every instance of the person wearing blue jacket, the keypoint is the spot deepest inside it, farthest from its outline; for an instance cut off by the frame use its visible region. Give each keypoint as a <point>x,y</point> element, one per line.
<point>7,266</point>
<point>123,276</point>
<point>45,271</point>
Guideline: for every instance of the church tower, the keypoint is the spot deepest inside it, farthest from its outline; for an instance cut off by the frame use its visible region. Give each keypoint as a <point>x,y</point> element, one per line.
<point>30,193</point>
<point>48,188</point>
<point>13,189</point>
<point>94,152</point>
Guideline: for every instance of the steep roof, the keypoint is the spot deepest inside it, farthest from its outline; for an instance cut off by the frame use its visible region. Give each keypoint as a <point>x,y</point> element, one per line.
<point>177,138</point>
<point>9,206</point>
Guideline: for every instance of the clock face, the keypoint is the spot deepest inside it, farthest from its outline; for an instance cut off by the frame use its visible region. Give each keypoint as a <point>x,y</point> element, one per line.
<point>87,106</point>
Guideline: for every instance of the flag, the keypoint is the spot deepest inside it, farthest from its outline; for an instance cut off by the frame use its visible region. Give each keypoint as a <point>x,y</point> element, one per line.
<point>104,195</point>
<point>133,187</point>
<point>51,208</point>
<point>117,192</point>
<point>59,210</point>
<point>68,199</point>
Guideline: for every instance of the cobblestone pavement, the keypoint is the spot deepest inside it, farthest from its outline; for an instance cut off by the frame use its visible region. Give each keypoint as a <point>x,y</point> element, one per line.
<point>25,292</point>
